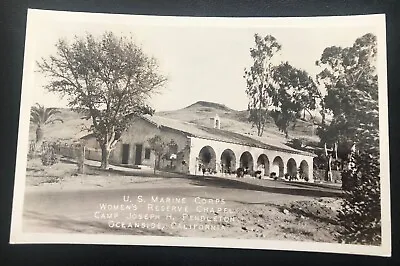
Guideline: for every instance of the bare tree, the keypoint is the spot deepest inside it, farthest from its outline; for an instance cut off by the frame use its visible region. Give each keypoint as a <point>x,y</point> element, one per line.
<point>108,78</point>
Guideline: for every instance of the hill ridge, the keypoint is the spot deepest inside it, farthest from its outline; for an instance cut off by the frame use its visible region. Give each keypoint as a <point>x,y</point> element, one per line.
<point>209,104</point>
<point>198,113</point>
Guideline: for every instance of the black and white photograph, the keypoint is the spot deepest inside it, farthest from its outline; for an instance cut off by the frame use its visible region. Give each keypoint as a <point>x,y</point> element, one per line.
<point>260,133</point>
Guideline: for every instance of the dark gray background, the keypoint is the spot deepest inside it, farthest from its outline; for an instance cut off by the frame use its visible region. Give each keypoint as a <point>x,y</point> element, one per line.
<point>13,22</point>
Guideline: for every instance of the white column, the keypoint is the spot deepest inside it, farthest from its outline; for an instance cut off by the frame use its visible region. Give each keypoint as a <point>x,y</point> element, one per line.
<point>310,170</point>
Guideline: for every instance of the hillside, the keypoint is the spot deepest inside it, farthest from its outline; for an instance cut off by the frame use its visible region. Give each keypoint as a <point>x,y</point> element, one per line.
<point>199,113</point>
<point>236,121</point>
<point>72,128</point>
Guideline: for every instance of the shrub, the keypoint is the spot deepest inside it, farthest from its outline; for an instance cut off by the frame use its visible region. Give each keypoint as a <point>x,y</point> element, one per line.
<point>303,175</point>
<point>240,172</point>
<point>52,180</point>
<point>273,175</point>
<point>30,155</point>
<point>49,155</point>
<point>31,150</point>
<point>257,174</point>
<point>319,162</point>
<point>298,143</point>
<point>360,214</point>
<point>287,176</point>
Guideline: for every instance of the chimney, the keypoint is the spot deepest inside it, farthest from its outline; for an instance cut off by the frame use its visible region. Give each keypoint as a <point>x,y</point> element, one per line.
<point>217,122</point>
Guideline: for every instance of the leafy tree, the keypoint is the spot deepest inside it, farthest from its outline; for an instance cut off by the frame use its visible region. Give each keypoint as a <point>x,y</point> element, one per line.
<point>108,78</point>
<point>280,92</point>
<point>282,119</point>
<point>351,83</point>
<point>360,215</point>
<point>259,82</point>
<point>42,116</point>
<point>159,148</point>
<point>296,91</point>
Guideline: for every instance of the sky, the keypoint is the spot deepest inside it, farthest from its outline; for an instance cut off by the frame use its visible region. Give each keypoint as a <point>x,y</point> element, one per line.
<point>203,58</point>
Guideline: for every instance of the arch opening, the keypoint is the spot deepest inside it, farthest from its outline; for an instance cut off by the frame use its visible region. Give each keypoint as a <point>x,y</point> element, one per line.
<point>246,161</point>
<point>292,167</point>
<point>263,165</point>
<point>278,166</point>
<point>228,161</point>
<point>304,170</point>
<point>207,160</point>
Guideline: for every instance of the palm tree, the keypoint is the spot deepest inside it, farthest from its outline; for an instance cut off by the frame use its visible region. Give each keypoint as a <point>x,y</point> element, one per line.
<point>42,116</point>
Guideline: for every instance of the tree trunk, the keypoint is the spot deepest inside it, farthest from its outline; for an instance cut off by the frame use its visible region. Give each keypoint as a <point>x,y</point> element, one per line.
<point>259,130</point>
<point>259,133</point>
<point>155,163</point>
<point>81,159</point>
<point>158,162</point>
<point>328,173</point>
<point>39,134</point>
<point>105,154</point>
<point>39,139</point>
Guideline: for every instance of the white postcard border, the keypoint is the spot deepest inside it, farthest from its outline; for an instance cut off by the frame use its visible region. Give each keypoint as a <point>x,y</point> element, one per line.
<point>17,235</point>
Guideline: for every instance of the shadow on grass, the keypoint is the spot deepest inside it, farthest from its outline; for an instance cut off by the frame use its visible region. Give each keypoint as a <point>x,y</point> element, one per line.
<point>210,181</point>
<point>88,227</point>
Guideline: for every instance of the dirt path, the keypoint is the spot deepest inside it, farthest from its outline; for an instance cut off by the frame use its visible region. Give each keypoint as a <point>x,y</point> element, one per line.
<point>259,209</point>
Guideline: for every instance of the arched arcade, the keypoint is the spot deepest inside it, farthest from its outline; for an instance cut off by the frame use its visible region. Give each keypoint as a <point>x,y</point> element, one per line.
<point>228,161</point>
<point>292,167</point>
<point>304,170</point>
<point>278,166</point>
<point>263,164</point>
<point>207,159</point>
<point>246,161</point>
<point>225,158</point>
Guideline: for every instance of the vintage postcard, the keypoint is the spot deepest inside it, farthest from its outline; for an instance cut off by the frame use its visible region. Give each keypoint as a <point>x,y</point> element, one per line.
<point>259,133</point>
